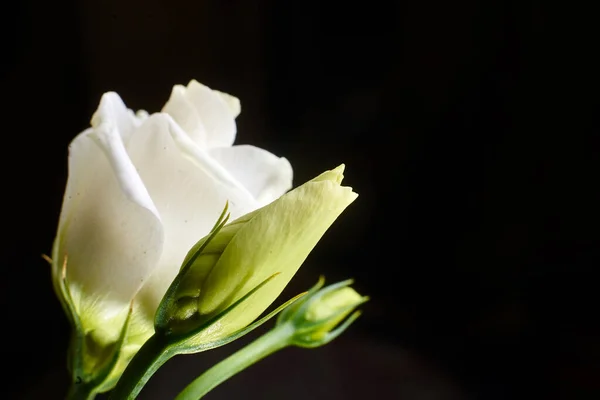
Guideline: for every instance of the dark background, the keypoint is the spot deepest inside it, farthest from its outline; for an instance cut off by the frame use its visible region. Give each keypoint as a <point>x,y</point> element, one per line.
<point>468,129</point>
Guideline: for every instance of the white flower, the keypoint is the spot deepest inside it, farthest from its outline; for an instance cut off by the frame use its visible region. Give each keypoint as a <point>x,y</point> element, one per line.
<point>141,191</point>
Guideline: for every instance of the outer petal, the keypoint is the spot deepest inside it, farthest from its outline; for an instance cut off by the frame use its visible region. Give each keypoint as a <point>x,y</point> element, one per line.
<point>278,238</point>
<point>206,115</point>
<point>109,229</point>
<point>112,110</point>
<point>265,175</point>
<point>187,192</point>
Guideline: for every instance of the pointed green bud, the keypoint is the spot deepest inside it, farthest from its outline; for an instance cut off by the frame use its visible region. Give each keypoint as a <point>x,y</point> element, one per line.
<point>323,314</point>
<point>260,251</point>
<point>332,309</point>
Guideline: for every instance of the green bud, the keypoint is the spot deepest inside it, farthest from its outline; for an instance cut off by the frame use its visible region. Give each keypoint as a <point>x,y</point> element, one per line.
<point>255,255</point>
<point>322,314</point>
<point>332,309</point>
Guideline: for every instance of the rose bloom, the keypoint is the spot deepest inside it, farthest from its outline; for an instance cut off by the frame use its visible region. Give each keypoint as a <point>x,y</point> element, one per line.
<point>142,189</point>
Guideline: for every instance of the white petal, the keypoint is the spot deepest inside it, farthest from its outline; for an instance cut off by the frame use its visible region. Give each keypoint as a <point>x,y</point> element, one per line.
<point>188,197</point>
<point>113,111</point>
<point>109,230</point>
<point>264,174</point>
<point>184,112</point>
<point>215,114</point>
<point>232,102</point>
<point>197,107</point>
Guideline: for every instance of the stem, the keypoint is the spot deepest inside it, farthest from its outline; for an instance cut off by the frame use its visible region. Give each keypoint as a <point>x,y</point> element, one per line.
<point>266,344</point>
<point>144,364</point>
<point>81,391</point>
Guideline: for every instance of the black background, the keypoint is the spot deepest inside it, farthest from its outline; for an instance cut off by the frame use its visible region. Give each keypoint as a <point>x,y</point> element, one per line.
<point>468,129</point>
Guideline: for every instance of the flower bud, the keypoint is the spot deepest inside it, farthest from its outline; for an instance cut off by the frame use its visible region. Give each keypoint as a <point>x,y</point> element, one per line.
<point>255,255</point>
<point>322,314</point>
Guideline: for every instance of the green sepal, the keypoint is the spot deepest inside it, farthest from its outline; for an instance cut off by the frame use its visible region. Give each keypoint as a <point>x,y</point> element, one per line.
<point>59,276</point>
<point>74,363</point>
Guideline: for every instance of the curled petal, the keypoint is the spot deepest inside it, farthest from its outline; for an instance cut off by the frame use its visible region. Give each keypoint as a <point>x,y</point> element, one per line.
<point>232,102</point>
<point>113,111</point>
<point>265,175</point>
<point>184,112</point>
<point>206,115</point>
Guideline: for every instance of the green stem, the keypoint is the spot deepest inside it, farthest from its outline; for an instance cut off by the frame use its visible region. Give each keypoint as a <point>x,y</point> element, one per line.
<point>144,364</point>
<point>270,342</point>
<point>81,391</point>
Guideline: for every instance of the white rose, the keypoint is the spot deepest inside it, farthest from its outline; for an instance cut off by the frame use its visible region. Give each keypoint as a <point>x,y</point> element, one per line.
<point>141,191</point>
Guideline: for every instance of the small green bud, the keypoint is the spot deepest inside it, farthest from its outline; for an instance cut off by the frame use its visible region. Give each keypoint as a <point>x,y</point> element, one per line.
<point>323,314</point>
<point>332,309</point>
